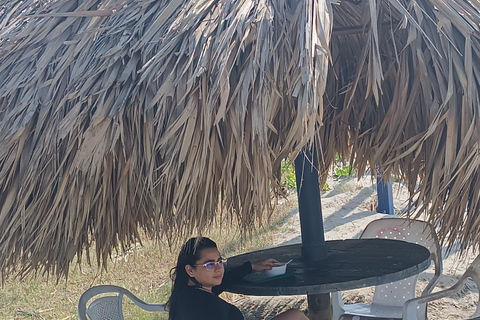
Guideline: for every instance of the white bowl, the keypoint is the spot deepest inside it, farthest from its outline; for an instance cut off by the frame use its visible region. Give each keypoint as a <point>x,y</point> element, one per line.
<point>280,268</point>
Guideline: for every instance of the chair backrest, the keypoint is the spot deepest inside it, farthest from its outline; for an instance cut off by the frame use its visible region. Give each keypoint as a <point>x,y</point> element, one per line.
<point>109,307</point>
<point>414,231</point>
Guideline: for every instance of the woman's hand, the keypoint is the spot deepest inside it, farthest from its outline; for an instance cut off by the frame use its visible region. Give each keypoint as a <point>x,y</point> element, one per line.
<point>266,264</point>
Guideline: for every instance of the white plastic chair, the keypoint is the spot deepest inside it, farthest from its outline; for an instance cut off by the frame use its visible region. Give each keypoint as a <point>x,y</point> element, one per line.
<point>110,307</point>
<point>388,299</point>
<point>411,306</point>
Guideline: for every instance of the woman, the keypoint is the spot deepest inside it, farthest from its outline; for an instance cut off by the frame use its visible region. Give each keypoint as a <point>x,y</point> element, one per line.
<point>199,277</point>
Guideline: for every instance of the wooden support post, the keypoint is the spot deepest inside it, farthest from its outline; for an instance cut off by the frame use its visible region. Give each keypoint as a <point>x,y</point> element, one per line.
<point>385,196</point>
<point>319,306</point>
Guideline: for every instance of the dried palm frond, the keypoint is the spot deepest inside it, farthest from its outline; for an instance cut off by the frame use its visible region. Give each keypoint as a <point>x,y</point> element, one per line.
<point>121,116</point>
<point>403,94</point>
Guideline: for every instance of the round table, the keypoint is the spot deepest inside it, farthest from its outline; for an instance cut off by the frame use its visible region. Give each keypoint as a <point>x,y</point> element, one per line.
<point>350,264</point>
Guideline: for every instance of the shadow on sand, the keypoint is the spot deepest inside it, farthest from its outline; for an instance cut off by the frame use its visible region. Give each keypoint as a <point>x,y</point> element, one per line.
<point>340,217</point>
<point>268,307</point>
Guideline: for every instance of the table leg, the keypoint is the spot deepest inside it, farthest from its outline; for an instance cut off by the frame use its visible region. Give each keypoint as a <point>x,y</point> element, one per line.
<point>319,306</point>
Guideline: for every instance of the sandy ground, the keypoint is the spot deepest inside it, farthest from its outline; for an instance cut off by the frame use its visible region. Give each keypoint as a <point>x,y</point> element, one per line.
<point>347,209</point>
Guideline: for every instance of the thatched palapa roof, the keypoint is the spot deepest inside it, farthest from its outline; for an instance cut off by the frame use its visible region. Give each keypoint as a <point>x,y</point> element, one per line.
<point>155,115</point>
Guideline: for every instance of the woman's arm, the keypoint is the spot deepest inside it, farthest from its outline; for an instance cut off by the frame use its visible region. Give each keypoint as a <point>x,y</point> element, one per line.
<point>232,276</point>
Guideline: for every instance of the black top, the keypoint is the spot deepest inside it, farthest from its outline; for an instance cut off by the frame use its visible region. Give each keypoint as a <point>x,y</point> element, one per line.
<point>197,304</point>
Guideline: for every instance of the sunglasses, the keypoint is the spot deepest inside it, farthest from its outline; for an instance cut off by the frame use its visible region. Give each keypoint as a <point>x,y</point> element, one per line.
<point>211,265</point>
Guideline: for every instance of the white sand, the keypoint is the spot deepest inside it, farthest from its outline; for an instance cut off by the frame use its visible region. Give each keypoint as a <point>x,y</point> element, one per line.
<point>347,209</point>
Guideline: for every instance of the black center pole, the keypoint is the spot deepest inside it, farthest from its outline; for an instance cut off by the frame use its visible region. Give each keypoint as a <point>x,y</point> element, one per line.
<point>310,207</point>
<point>314,249</point>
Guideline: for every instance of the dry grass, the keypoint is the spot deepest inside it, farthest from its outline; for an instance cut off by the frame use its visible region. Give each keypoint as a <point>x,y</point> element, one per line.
<point>143,269</point>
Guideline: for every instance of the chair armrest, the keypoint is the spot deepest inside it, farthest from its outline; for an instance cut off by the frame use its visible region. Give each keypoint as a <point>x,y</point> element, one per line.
<point>158,307</point>
<point>438,272</point>
<point>410,307</point>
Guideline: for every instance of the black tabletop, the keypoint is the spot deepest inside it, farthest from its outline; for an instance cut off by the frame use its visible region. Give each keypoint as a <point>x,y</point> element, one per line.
<point>353,263</point>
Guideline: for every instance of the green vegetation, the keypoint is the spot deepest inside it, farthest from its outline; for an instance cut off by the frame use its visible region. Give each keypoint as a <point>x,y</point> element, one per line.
<point>343,172</point>
<point>341,169</point>
<point>289,179</point>
<point>288,175</point>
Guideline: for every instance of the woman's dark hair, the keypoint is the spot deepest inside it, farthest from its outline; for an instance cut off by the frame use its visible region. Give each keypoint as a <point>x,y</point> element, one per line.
<point>189,255</point>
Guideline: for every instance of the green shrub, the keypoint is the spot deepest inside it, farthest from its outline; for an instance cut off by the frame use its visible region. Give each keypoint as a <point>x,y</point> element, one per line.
<point>343,172</point>
<point>288,175</point>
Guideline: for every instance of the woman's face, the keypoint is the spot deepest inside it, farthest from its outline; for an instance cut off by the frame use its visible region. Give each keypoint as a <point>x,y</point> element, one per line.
<point>207,278</point>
